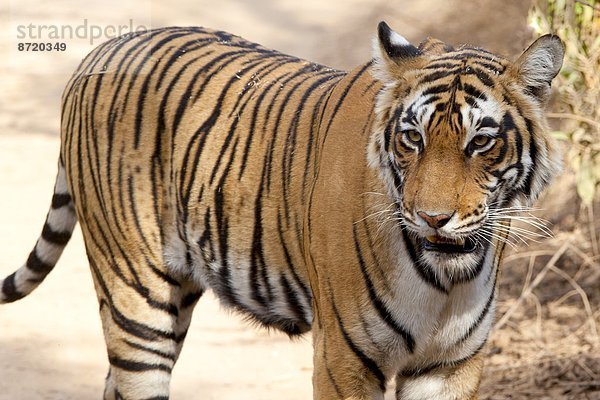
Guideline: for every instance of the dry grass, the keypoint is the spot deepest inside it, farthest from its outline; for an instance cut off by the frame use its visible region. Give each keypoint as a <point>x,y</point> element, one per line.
<point>577,110</point>
<point>546,343</point>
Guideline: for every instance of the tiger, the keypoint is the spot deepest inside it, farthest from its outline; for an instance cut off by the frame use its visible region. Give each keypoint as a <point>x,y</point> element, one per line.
<point>370,206</point>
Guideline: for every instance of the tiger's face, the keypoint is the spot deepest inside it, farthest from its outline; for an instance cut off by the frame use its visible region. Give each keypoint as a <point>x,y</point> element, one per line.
<point>460,139</point>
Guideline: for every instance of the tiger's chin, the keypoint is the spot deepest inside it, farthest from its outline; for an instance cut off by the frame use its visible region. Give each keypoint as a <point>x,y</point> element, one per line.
<point>456,257</point>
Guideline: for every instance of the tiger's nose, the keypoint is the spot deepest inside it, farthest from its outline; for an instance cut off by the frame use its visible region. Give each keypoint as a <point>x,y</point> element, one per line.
<point>435,221</point>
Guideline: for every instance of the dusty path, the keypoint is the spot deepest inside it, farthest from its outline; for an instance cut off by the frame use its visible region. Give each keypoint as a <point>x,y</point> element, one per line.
<point>51,345</point>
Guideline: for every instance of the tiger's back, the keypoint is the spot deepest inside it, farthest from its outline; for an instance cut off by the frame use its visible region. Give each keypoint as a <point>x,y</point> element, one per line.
<point>200,137</point>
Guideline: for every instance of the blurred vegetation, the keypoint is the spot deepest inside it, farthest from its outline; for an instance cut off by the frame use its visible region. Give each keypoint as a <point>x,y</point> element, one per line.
<point>577,23</point>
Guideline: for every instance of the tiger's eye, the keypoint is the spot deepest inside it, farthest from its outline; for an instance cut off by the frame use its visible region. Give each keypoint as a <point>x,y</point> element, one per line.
<point>481,141</point>
<point>414,136</point>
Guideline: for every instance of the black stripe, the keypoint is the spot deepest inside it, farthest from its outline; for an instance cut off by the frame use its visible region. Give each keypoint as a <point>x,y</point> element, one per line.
<point>52,236</point>
<point>423,270</point>
<point>430,100</point>
<point>254,55</point>
<point>464,53</point>
<point>292,300</point>
<point>172,83</point>
<point>151,74</point>
<point>227,289</point>
<point>391,125</point>
<point>224,147</point>
<point>528,185</point>
<point>205,243</point>
<point>468,274</point>
<point>35,264</point>
<point>434,76</point>
<point>136,284</point>
<point>159,305</point>
<point>473,91</point>
<point>382,310</point>
<point>133,210</point>
<point>371,245</point>
<point>89,65</point>
<point>290,264</point>
<point>248,92</point>
<point>471,101</point>
<point>169,356</point>
<point>9,289</point>
<point>304,73</point>
<point>436,89</point>
<point>194,152</point>
<point>96,175</point>
<point>370,86</point>
<point>136,366</point>
<point>60,200</point>
<point>481,315</point>
<point>184,99</point>
<point>508,125</point>
<point>345,93</point>
<point>255,111</point>
<point>487,122</point>
<point>133,327</point>
<point>483,77</point>
<point>313,140</point>
<point>410,116</point>
<point>442,65</point>
<point>496,68</point>
<point>170,280</point>
<point>107,249</point>
<point>132,53</point>
<point>396,178</point>
<point>151,50</point>
<point>257,258</point>
<point>290,142</point>
<point>364,359</point>
<point>187,47</point>
<point>190,299</point>
<point>334,383</point>
<point>419,371</point>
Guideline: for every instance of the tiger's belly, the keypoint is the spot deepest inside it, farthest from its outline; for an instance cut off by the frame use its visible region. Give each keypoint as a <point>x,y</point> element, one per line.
<point>274,294</point>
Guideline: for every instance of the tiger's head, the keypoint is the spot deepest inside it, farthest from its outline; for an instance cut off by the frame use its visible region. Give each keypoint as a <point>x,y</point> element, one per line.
<point>460,139</point>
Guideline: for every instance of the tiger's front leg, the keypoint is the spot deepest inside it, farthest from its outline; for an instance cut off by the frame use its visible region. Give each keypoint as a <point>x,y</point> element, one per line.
<point>460,382</point>
<point>341,369</point>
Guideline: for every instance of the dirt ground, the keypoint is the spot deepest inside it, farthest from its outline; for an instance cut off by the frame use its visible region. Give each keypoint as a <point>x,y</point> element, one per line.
<point>51,345</point>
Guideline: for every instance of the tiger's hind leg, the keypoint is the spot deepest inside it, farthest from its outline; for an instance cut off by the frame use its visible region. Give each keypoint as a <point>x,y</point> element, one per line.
<point>143,344</point>
<point>145,317</point>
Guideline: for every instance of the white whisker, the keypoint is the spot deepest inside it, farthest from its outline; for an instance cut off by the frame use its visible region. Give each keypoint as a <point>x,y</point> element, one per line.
<point>498,237</point>
<point>539,225</point>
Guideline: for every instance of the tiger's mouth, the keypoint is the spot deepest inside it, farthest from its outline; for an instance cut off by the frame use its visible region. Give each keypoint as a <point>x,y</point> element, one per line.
<point>448,245</point>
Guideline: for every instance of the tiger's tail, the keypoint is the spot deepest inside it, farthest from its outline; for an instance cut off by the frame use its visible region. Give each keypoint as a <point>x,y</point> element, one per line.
<point>59,225</point>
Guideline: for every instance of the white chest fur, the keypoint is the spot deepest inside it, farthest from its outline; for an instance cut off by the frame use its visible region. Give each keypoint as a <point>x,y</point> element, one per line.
<point>446,326</point>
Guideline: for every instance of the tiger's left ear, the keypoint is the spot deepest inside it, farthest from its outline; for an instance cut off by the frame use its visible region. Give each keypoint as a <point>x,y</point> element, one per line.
<point>539,64</point>
<point>391,52</point>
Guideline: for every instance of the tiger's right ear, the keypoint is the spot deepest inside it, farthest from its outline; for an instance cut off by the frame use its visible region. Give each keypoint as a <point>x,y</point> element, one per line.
<point>391,52</point>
